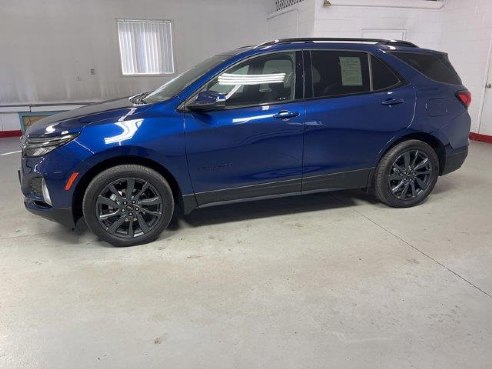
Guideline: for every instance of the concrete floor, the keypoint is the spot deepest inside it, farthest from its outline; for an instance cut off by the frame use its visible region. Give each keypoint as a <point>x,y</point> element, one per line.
<point>324,281</point>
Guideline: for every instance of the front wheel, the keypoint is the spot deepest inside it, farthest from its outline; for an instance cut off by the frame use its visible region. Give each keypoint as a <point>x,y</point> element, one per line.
<point>128,205</point>
<point>406,174</point>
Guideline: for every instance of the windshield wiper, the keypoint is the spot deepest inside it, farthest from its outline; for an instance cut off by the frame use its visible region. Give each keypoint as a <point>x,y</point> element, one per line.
<point>138,99</point>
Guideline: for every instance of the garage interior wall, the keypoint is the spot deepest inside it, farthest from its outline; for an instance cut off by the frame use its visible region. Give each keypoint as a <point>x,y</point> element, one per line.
<point>467,37</point>
<point>48,48</point>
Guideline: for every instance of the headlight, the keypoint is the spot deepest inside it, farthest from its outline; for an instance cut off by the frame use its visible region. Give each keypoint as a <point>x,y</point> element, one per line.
<point>37,146</point>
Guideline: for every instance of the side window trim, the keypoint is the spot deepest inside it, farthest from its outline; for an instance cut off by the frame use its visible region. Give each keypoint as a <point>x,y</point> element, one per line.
<point>299,66</point>
<point>371,77</point>
<point>308,76</point>
<point>299,74</point>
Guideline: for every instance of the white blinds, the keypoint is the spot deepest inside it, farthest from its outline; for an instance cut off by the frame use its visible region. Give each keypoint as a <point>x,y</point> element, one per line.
<point>146,47</point>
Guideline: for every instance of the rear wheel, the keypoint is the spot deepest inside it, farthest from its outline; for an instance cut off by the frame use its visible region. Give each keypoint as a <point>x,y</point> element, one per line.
<point>128,205</point>
<point>406,174</point>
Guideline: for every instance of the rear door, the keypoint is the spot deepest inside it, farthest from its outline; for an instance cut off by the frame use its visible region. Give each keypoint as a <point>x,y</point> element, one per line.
<point>351,114</point>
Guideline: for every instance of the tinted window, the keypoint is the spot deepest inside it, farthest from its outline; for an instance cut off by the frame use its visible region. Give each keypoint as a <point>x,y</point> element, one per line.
<point>382,75</point>
<point>338,73</point>
<point>434,66</point>
<point>174,86</point>
<point>265,79</point>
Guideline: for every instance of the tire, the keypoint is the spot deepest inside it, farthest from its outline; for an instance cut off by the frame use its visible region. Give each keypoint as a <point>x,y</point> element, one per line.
<point>128,205</point>
<point>406,174</point>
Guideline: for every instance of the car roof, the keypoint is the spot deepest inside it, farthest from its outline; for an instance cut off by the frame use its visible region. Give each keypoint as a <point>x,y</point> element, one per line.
<point>382,44</point>
<point>370,41</point>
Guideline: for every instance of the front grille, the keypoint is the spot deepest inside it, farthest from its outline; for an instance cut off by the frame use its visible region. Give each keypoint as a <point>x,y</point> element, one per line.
<point>35,186</point>
<point>42,204</point>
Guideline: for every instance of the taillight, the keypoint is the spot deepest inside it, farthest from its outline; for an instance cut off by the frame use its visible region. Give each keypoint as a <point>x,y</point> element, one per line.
<point>465,97</point>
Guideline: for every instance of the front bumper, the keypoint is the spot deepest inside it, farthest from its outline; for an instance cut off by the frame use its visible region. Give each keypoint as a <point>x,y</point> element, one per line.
<point>454,160</point>
<point>60,215</point>
<point>38,206</point>
<point>43,182</point>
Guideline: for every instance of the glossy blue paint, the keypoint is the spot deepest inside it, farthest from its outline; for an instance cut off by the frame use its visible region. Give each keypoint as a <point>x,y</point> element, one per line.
<point>249,146</point>
<point>347,133</point>
<point>245,146</point>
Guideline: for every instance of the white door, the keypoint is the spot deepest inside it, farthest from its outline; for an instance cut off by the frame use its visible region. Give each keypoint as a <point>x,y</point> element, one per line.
<point>485,127</point>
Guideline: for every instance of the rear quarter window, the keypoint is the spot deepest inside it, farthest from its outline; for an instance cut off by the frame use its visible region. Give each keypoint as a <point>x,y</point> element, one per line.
<point>434,66</point>
<point>383,77</point>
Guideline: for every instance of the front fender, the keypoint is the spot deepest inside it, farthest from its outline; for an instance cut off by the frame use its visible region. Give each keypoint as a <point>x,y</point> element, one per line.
<point>158,137</point>
<point>175,165</point>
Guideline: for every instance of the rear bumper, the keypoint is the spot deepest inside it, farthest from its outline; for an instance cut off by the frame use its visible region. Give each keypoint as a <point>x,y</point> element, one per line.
<point>62,215</point>
<point>454,160</point>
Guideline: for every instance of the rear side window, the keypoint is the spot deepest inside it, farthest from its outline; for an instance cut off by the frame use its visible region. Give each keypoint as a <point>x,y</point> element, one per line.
<point>383,76</point>
<point>434,66</point>
<point>339,73</point>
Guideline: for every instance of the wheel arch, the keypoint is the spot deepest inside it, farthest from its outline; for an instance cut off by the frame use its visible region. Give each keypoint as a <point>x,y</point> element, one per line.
<point>429,139</point>
<point>84,181</point>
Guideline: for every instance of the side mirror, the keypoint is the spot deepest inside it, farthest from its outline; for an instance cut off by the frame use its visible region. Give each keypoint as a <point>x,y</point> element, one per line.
<point>208,100</point>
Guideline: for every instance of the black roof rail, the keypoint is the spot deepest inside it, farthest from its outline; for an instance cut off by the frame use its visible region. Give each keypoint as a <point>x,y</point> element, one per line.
<point>318,39</point>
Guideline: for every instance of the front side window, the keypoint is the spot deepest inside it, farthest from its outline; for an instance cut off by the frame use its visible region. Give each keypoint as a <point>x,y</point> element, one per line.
<point>263,79</point>
<point>339,73</point>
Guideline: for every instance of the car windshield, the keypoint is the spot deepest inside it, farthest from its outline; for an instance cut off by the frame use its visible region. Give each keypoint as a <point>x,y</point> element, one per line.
<point>177,84</point>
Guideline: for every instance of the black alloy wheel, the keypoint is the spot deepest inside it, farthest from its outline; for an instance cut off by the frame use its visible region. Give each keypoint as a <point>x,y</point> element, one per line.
<point>128,205</point>
<point>406,174</point>
<point>410,175</point>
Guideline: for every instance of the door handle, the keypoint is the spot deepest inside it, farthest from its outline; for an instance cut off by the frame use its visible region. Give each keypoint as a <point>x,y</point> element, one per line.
<point>391,102</point>
<point>285,114</point>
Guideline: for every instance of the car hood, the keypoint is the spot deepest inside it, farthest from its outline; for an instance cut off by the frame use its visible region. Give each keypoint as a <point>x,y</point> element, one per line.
<point>73,121</point>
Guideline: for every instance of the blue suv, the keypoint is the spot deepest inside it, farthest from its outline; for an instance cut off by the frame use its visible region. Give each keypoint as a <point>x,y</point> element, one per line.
<point>286,117</point>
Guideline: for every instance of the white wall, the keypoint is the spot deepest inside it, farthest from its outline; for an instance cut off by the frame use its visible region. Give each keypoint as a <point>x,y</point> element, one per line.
<point>49,46</point>
<point>9,122</point>
<point>351,18</point>
<point>420,20</point>
<point>466,36</point>
<point>294,21</point>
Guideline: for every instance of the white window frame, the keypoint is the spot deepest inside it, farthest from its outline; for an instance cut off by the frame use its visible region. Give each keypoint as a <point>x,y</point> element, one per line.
<point>120,54</point>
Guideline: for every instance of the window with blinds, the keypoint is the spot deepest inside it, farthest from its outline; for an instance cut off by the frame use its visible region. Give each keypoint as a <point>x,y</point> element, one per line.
<point>146,47</point>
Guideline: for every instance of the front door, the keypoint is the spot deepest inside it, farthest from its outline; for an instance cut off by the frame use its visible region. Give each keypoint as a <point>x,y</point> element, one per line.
<point>252,147</point>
